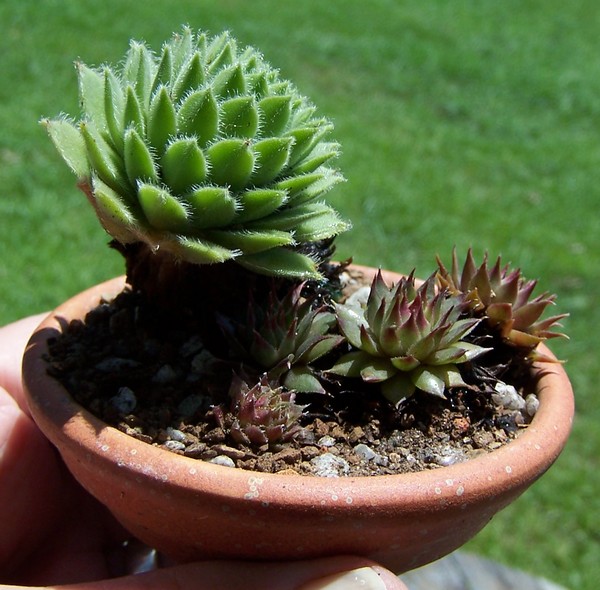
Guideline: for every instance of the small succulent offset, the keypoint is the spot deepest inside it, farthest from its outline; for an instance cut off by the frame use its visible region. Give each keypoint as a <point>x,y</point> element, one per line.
<point>406,338</point>
<point>502,297</point>
<point>263,415</point>
<point>284,338</point>
<point>206,153</point>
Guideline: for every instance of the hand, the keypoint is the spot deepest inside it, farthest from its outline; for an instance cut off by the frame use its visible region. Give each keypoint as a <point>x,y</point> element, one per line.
<point>53,532</point>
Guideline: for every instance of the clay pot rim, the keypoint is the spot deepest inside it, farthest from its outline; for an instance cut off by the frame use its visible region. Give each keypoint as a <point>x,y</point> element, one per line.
<point>62,419</point>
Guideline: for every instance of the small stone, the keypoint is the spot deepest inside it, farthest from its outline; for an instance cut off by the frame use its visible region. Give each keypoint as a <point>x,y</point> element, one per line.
<point>356,434</point>
<point>175,434</point>
<point>366,452</point>
<point>166,374</point>
<point>174,445</point>
<point>195,450</point>
<point>223,460</point>
<point>289,456</point>
<point>326,441</point>
<point>125,401</point>
<point>359,297</point>
<point>532,404</point>
<point>508,397</point>
<point>231,452</point>
<point>448,456</point>
<point>330,465</point>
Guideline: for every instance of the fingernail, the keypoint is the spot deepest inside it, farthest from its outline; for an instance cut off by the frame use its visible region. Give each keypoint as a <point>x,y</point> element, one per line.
<point>364,578</point>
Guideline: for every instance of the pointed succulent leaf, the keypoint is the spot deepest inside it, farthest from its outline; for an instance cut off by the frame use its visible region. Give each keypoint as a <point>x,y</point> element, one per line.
<point>232,163</point>
<point>272,155</point>
<point>114,104</point>
<point>426,379</point>
<point>405,363</point>
<point>114,214</point>
<point>250,242</point>
<point>398,388</point>
<point>190,78</point>
<point>351,364</point>
<point>162,210</point>
<point>202,251</point>
<point>199,116</point>
<point>319,156</point>
<point>139,71</point>
<point>101,158</point>
<point>133,115</point>
<point>164,71</point>
<point>239,117</point>
<point>275,112</point>
<point>258,203</point>
<point>281,262</point>
<point>378,370</point>
<point>70,144</point>
<point>324,345</point>
<point>230,82</point>
<point>211,206</point>
<point>302,379</point>
<point>162,120</point>
<point>183,165</point>
<point>91,91</point>
<point>139,163</point>
<point>351,322</point>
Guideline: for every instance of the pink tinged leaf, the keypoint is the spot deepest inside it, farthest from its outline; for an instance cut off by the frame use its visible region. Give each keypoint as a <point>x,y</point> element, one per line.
<point>499,313</point>
<point>528,314</point>
<point>426,380</point>
<point>405,363</point>
<point>378,370</point>
<point>525,291</point>
<point>468,272</point>
<point>367,343</point>
<point>390,343</point>
<point>508,289</point>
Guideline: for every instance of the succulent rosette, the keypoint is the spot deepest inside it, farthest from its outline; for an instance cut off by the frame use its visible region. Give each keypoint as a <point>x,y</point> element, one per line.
<point>263,414</point>
<point>406,338</point>
<point>285,338</point>
<point>205,152</point>
<point>503,297</point>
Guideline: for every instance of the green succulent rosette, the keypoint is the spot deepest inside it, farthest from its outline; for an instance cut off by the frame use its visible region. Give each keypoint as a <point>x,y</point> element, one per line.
<point>406,338</point>
<point>205,152</point>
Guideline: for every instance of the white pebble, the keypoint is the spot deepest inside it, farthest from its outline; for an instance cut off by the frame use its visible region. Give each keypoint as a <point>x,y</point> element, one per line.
<point>223,460</point>
<point>174,445</point>
<point>330,465</point>
<point>326,441</point>
<point>175,434</point>
<point>365,452</point>
<point>508,397</point>
<point>532,404</point>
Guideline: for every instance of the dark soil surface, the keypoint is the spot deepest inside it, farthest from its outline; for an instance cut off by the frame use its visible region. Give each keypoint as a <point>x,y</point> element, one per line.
<point>156,381</point>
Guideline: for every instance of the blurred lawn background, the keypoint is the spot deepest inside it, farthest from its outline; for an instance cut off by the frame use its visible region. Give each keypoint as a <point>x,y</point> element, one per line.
<point>470,122</point>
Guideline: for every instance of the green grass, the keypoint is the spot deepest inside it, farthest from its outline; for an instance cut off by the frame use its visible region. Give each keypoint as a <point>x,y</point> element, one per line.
<point>465,122</point>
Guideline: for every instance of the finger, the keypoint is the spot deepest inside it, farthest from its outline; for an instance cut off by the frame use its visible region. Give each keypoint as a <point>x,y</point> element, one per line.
<point>13,339</point>
<point>30,484</point>
<point>335,573</point>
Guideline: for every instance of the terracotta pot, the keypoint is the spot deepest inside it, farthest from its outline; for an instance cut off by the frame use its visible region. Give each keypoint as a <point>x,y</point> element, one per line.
<point>190,509</point>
